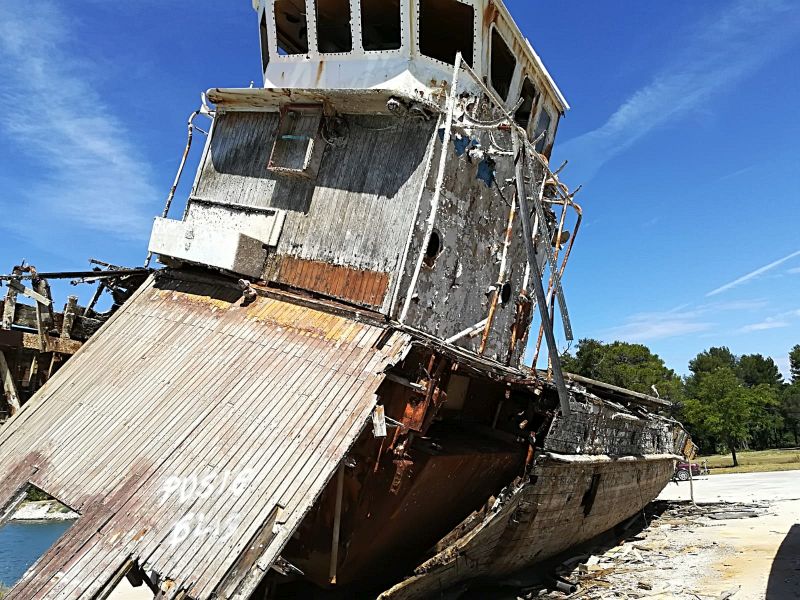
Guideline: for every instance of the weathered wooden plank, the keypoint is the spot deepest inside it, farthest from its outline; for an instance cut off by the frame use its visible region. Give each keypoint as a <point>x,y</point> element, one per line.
<point>9,387</point>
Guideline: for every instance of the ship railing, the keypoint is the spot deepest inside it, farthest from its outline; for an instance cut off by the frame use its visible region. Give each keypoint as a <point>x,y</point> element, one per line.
<point>540,186</point>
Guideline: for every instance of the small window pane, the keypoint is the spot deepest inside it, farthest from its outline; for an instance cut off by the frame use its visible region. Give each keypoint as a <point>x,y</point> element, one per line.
<point>333,26</point>
<point>264,42</point>
<point>292,27</point>
<point>503,65</point>
<point>542,126</point>
<point>380,24</point>
<point>528,96</point>
<point>446,27</point>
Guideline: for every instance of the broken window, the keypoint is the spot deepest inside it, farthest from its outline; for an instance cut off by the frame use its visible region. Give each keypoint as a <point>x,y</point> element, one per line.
<point>446,27</point>
<point>503,64</point>
<point>542,127</point>
<point>299,146</point>
<point>528,96</point>
<point>380,24</point>
<point>264,42</point>
<point>588,498</point>
<point>291,26</point>
<point>333,26</point>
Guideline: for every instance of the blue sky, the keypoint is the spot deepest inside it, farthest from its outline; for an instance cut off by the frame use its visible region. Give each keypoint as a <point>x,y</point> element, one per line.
<point>684,132</point>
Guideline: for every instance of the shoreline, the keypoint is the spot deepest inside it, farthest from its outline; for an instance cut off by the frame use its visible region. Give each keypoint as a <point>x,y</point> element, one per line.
<point>42,511</point>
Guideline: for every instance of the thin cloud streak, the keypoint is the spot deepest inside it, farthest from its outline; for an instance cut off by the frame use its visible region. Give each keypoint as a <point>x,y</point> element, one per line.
<point>752,275</point>
<point>721,53</point>
<point>652,326</point>
<point>88,172</point>
<point>680,321</point>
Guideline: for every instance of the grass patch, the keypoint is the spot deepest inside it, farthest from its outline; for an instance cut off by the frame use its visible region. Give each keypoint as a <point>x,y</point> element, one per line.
<point>754,462</point>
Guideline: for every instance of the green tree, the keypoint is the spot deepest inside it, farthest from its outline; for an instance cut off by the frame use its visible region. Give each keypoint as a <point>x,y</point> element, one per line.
<point>755,370</point>
<point>630,366</point>
<point>794,363</point>
<point>706,362</point>
<point>790,409</point>
<point>725,408</point>
<point>711,360</point>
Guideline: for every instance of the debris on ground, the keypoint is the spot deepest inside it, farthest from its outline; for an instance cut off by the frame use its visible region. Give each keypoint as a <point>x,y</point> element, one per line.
<point>660,561</point>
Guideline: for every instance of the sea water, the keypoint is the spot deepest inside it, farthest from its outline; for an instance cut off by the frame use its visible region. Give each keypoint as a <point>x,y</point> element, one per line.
<point>23,542</point>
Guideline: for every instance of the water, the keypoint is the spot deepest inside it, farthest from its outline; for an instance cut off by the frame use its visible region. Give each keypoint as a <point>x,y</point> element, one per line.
<point>22,543</point>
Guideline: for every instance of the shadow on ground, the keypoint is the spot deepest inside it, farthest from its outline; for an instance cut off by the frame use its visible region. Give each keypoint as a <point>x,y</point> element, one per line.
<point>784,577</point>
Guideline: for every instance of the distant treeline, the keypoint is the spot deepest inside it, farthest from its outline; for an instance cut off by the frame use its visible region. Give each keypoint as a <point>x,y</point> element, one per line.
<point>727,402</point>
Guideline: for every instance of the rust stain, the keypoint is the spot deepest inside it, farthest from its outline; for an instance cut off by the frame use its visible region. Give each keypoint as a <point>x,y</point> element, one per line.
<point>490,15</point>
<point>346,283</point>
<point>320,70</point>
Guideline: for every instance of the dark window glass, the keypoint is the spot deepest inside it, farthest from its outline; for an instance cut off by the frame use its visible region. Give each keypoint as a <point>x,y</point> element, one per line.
<point>446,27</point>
<point>503,65</point>
<point>333,26</point>
<point>380,24</point>
<point>528,97</point>
<point>292,26</point>
<point>542,126</point>
<point>264,42</point>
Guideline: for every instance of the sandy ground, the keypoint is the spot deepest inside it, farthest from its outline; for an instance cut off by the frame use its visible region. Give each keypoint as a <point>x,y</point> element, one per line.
<point>742,542</point>
<point>759,557</point>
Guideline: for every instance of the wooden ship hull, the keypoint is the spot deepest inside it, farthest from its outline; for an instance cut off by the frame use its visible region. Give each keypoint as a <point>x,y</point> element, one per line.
<point>323,394</point>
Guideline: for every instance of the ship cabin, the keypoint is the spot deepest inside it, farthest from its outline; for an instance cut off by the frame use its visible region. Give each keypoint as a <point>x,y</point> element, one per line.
<point>364,174</point>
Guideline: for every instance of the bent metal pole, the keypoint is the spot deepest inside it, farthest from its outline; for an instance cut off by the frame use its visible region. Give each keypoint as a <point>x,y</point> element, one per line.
<point>538,286</point>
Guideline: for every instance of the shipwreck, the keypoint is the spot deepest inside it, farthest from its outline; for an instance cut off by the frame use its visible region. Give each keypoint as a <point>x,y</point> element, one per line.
<point>322,393</point>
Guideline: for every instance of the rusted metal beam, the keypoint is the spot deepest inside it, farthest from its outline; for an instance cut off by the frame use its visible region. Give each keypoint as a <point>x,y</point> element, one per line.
<point>536,276</point>
<point>78,274</point>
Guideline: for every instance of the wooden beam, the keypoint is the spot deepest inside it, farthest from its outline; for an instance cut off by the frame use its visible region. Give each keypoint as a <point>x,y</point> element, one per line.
<point>9,387</point>
<point>8,308</point>
<point>26,291</point>
<point>70,312</point>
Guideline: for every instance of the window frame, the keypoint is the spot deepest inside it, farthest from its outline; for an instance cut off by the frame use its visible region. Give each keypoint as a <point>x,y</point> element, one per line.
<point>548,138</point>
<point>311,29</point>
<point>358,30</point>
<point>355,30</point>
<point>514,83</point>
<point>264,39</point>
<point>476,48</point>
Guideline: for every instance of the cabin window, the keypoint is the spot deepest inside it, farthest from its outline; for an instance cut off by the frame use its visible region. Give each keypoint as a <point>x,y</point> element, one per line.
<point>503,65</point>
<point>333,26</point>
<point>446,27</point>
<point>542,127</point>
<point>380,24</point>
<point>528,96</point>
<point>264,42</point>
<point>291,26</point>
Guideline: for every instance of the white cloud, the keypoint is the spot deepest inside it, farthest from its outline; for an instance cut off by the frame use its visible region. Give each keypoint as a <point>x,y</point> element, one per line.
<point>682,320</point>
<point>779,321</point>
<point>89,172</point>
<point>764,325</point>
<point>721,53</point>
<point>752,274</point>
<point>648,327</point>
<point>794,271</point>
